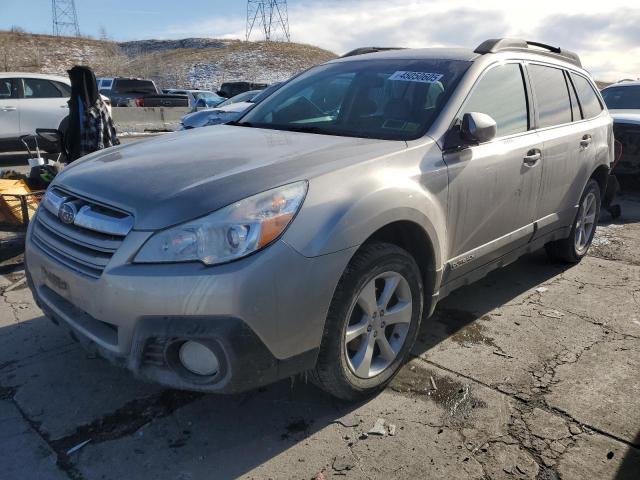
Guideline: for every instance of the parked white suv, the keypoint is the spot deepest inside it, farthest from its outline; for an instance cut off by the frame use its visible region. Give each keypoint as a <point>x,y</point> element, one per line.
<point>29,101</point>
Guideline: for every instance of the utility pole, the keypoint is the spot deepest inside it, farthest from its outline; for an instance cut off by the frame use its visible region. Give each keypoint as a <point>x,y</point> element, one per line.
<point>65,18</point>
<point>270,17</point>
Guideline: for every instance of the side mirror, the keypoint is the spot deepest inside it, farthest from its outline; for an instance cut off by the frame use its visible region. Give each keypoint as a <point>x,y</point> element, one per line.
<point>478,127</point>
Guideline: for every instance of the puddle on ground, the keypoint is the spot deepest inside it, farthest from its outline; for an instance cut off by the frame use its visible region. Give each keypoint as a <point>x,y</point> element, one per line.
<point>455,397</point>
<point>463,327</point>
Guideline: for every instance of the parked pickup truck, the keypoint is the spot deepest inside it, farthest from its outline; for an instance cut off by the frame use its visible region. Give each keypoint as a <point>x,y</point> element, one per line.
<point>136,92</point>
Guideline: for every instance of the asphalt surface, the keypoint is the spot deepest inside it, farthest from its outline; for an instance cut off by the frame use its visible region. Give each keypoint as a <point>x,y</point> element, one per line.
<point>530,373</point>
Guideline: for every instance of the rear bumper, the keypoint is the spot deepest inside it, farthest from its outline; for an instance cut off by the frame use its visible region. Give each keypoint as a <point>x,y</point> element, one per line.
<point>263,315</point>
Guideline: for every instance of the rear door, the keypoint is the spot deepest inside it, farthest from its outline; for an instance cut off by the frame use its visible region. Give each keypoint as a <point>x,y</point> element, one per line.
<point>566,138</point>
<point>493,187</point>
<point>9,111</point>
<point>44,104</point>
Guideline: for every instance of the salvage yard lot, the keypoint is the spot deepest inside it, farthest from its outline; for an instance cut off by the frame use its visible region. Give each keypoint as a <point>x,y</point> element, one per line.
<point>530,373</point>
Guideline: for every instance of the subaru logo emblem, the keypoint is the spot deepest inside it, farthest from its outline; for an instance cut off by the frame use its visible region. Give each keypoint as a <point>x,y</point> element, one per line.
<point>67,213</point>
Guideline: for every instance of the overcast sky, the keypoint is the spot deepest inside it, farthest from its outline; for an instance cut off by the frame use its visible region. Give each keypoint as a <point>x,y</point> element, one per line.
<point>605,34</point>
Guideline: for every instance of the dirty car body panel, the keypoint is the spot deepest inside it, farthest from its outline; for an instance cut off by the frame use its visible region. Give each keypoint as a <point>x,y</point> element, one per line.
<point>263,315</point>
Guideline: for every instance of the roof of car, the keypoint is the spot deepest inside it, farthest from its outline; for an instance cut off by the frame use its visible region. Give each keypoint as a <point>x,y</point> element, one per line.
<point>414,53</point>
<point>505,47</point>
<point>46,76</point>
<point>625,83</point>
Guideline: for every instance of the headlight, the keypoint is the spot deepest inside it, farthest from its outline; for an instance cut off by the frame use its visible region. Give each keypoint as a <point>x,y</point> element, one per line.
<point>230,233</point>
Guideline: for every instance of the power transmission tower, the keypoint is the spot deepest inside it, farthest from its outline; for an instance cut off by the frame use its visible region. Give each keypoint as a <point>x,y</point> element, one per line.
<point>270,17</point>
<point>65,19</point>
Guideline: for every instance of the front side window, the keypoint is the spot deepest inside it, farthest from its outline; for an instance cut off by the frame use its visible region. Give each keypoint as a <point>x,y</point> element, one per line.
<point>500,94</point>
<point>588,99</point>
<point>64,89</point>
<point>8,88</point>
<point>40,88</point>
<point>552,96</point>
<point>621,98</point>
<point>385,99</point>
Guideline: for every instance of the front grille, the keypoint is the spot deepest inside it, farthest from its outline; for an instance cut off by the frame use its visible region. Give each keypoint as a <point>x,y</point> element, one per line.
<point>85,244</point>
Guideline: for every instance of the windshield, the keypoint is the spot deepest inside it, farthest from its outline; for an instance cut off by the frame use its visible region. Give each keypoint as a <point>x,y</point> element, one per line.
<point>242,97</point>
<point>385,99</point>
<point>265,93</point>
<point>621,98</point>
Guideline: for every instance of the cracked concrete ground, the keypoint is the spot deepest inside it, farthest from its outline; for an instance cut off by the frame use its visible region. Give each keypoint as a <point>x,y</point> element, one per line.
<point>530,373</point>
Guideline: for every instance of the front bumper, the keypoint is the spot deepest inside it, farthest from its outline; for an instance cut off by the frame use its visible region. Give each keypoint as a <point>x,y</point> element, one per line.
<point>263,315</point>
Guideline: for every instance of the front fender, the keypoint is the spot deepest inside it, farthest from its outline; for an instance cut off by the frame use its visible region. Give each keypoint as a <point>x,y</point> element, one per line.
<point>344,208</point>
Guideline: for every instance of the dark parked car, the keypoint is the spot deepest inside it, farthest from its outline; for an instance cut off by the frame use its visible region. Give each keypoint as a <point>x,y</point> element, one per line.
<point>127,92</point>
<point>623,102</point>
<point>231,89</point>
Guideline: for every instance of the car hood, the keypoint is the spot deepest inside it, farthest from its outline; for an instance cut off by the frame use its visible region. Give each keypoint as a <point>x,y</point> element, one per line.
<point>626,116</point>
<point>181,176</point>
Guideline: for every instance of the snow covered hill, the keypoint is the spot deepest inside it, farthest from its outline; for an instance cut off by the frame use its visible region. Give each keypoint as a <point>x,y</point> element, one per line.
<point>186,63</point>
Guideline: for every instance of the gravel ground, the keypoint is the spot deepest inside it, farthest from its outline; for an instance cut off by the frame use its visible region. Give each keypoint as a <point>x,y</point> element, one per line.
<point>529,373</point>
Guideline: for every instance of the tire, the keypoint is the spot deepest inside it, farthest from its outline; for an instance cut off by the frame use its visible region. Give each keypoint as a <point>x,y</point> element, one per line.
<point>377,269</point>
<point>571,249</point>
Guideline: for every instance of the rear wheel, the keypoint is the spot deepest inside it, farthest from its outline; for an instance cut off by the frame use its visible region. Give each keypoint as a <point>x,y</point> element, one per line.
<point>372,322</point>
<point>573,248</point>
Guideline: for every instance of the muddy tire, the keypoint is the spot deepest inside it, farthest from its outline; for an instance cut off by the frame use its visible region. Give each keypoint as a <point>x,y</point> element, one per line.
<point>372,322</point>
<point>573,248</point>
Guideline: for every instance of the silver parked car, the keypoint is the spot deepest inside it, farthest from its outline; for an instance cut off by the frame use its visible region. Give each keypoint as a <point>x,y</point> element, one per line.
<point>327,221</point>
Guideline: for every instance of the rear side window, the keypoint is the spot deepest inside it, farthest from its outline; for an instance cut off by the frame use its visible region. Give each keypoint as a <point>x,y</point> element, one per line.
<point>8,88</point>
<point>40,88</point>
<point>552,95</point>
<point>588,99</point>
<point>134,86</point>
<point>500,94</point>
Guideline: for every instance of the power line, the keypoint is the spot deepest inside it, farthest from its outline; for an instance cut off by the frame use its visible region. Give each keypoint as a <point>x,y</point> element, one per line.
<point>270,17</point>
<point>65,18</point>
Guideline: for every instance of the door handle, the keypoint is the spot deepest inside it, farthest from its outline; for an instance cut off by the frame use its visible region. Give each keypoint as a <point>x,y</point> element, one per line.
<point>64,106</point>
<point>531,158</point>
<point>586,141</point>
<point>8,109</point>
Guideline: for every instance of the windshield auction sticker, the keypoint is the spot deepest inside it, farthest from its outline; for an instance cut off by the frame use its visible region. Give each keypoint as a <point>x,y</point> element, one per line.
<point>422,77</point>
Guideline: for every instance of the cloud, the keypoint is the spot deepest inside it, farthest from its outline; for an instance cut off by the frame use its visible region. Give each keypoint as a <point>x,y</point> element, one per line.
<point>607,39</point>
<point>608,42</point>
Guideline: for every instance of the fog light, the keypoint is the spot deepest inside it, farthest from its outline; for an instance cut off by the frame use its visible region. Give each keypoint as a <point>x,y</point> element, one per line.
<point>198,359</point>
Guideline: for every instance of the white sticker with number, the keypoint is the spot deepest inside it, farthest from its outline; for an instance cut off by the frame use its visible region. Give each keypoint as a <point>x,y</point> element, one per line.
<point>422,77</point>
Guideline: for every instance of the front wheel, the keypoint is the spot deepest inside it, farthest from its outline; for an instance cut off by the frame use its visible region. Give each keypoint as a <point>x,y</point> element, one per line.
<point>372,323</point>
<point>573,248</point>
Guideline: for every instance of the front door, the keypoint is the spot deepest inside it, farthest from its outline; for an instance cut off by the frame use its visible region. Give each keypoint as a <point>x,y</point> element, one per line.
<point>493,187</point>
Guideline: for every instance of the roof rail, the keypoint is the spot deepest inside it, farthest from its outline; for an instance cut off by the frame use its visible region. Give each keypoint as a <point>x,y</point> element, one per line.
<point>494,45</point>
<point>363,50</point>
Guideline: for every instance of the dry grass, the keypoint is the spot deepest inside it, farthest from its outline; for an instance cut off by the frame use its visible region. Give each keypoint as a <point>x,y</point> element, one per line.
<point>198,63</point>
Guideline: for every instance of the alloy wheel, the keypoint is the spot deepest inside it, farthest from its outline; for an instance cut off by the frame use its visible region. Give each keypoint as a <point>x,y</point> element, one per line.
<point>379,321</point>
<point>586,222</point>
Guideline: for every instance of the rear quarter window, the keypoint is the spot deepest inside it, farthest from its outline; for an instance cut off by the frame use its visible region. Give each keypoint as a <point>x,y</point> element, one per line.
<point>589,101</point>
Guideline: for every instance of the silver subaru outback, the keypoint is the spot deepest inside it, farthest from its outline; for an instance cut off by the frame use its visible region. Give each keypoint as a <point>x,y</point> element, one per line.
<point>317,231</point>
